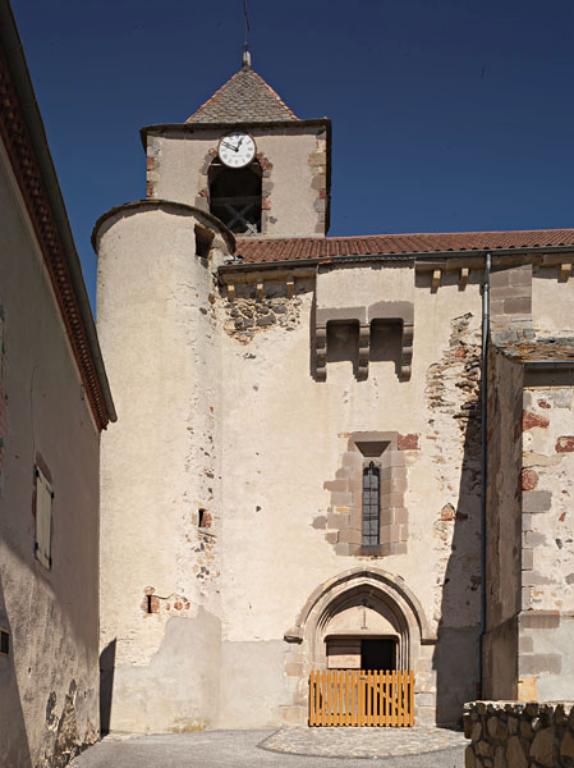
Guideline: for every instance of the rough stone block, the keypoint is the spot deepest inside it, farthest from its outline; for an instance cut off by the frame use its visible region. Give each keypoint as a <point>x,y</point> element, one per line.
<point>408,442</point>
<point>520,275</point>
<point>565,444</point>
<point>533,539</point>
<point>469,758</point>
<point>527,559</point>
<point>567,745</point>
<point>518,306</point>
<point>496,728</point>
<point>512,724</point>
<point>294,669</point>
<point>390,500</point>
<point>536,501</point>
<point>341,499</point>
<point>399,515</point>
<point>516,753</point>
<point>543,749</point>
<point>540,620</point>
<point>350,536</point>
<point>537,663</point>
<point>484,749</point>
<point>528,479</point>
<point>317,158</point>
<point>527,688</point>
<point>335,520</point>
<point>525,643</point>
<point>535,578</point>
<point>527,521</point>
<point>499,279</point>
<point>500,758</point>
<point>530,420</point>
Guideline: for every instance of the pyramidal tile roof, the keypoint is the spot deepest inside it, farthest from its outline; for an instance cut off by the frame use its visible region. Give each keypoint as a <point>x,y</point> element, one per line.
<point>244,98</point>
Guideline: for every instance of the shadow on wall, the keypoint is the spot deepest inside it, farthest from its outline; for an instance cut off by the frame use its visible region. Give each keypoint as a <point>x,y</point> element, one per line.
<point>456,655</point>
<point>14,747</point>
<point>107,666</point>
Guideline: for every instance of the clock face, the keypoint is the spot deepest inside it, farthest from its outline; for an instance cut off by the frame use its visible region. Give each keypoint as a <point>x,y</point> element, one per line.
<point>236,150</point>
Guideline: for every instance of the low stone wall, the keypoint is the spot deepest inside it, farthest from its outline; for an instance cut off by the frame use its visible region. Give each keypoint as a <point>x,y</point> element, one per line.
<point>507,734</point>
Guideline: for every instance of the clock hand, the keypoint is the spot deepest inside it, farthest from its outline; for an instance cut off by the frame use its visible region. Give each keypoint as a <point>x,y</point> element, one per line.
<point>227,144</point>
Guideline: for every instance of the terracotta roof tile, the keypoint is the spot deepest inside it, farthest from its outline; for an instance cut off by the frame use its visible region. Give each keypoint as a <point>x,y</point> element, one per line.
<point>244,98</point>
<point>259,250</point>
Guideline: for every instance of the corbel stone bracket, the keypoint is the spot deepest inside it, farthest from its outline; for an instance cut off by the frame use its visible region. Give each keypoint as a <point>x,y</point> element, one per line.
<point>404,312</point>
<point>321,352</point>
<point>565,271</point>
<point>364,351</point>
<point>392,311</point>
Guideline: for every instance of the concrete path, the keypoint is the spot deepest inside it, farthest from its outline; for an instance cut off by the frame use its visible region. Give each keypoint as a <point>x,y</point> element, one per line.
<point>240,749</point>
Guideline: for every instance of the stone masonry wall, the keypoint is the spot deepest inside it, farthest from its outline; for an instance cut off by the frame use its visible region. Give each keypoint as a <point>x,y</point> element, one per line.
<point>511,735</point>
<point>547,488</point>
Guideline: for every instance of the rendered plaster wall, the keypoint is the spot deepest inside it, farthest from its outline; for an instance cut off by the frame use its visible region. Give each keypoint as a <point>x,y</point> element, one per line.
<point>503,525</point>
<point>284,437</point>
<point>219,409</point>
<point>546,658</point>
<point>294,181</point>
<point>159,468</point>
<point>49,680</point>
<point>552,300</point>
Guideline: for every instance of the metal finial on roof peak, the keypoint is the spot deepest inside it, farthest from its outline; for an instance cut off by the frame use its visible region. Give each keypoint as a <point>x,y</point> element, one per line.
<point>246,51</point>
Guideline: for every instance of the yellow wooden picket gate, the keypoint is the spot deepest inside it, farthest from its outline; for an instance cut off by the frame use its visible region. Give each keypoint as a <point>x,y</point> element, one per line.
<point>357,697</point>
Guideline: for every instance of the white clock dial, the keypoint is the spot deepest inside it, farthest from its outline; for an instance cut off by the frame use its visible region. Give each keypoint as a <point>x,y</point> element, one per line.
<point>236,150</point>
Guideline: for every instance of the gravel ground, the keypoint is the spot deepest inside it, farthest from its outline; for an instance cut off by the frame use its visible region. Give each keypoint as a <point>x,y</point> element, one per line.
<point>240,749</point>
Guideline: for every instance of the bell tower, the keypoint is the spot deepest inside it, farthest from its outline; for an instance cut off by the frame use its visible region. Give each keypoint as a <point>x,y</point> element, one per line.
<point>245,157</point>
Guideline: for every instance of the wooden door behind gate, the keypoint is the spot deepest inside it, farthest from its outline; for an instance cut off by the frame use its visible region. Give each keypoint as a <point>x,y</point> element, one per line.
<point>356,697</point>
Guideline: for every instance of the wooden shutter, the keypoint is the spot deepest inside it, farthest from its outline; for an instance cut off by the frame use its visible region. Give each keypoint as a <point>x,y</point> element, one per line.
<point>44,500</point>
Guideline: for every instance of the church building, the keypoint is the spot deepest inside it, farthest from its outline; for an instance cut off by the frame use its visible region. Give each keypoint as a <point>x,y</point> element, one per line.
<point>333,455</point>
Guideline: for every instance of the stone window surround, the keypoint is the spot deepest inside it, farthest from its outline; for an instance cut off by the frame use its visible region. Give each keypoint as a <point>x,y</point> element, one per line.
<point>402,311</point>
<point>345,518</point>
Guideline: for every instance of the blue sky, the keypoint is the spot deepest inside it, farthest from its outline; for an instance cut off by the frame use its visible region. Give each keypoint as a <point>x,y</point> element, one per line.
<point>447,114</point>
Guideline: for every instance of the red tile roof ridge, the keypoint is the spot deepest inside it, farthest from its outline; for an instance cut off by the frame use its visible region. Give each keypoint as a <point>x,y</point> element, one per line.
<point>278,249</point>
<point>296,238</point>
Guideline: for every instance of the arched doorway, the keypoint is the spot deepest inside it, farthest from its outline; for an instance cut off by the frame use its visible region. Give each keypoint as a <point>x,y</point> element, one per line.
<point>363,629</point>
<point>362,635</point>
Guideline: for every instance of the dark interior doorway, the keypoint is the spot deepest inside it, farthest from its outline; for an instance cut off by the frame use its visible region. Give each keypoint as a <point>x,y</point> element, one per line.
<point>379,654</point>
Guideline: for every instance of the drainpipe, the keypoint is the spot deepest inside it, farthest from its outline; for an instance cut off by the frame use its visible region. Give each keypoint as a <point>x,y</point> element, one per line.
<point>484,460</point>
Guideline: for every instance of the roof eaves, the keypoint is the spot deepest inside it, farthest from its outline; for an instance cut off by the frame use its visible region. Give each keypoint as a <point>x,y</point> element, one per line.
<point>33,167</point>
<point>388,256</point>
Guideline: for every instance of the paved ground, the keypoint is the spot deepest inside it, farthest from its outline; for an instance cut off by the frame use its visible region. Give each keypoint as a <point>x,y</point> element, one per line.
<point>241,749</point>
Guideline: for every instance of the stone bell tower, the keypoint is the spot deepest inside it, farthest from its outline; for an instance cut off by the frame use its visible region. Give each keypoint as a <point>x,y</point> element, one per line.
<point>282,192</point>
<point>160,321</point>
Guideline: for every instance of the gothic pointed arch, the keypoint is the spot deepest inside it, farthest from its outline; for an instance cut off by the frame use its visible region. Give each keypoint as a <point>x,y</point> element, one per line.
<point>388,587</point>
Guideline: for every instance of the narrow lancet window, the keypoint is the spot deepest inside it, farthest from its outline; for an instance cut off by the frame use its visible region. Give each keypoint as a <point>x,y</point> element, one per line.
<point>371,506</point>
